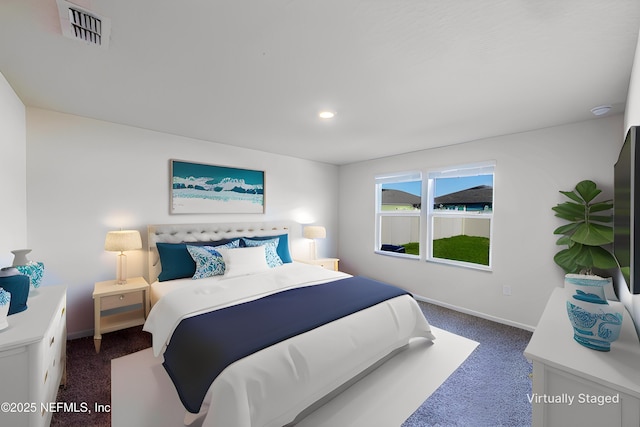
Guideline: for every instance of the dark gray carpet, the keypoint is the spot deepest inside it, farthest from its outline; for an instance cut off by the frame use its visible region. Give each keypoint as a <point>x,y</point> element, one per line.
<point>89,375</point>
<point>490,388</point>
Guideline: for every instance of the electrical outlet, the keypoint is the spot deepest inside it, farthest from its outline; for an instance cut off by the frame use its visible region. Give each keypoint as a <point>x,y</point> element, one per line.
<point>506,290</point>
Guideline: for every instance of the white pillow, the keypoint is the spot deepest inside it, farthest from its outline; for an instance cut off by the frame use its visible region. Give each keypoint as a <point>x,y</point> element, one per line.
<point>242,261</point>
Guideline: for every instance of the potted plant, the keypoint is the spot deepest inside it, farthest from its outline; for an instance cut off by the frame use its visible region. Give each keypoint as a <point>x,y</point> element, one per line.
<point>587,231</point>
<point>595,323</point>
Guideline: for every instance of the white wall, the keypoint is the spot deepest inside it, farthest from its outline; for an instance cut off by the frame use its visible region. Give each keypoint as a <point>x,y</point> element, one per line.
<point>86,177</point>
<point>531,168</point>
<point>13,173</point>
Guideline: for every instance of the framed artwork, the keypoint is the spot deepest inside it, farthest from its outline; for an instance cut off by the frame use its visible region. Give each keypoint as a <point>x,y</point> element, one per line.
<point>200,188</point>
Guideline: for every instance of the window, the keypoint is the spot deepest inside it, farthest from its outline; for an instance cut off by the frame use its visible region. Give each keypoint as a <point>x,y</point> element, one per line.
<point>460,215</point>
<point>398,207</point>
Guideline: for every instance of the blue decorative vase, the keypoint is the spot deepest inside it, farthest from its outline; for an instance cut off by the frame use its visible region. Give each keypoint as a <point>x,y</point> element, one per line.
<point>35,271</point>
<point>5,301</point>
<point>588,284</point>
<point>18,286</point>
<point>596,324</point>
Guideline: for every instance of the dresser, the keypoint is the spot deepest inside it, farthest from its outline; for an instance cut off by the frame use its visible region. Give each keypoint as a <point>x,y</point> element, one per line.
<point>577,386</point>
<point>33,358</point>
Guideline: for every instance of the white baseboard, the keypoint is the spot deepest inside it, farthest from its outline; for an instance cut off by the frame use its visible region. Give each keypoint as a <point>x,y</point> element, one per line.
<point>476,313</point>
<point>80,334</point>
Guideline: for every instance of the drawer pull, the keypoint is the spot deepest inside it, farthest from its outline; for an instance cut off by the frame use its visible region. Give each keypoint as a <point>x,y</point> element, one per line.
<point>46,375</point>
<point>121,297</point>
<point>53,339</point>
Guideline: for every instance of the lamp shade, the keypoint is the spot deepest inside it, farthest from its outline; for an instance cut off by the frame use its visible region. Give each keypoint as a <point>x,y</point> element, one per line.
<point>314,232</point>
<point>122,240</point>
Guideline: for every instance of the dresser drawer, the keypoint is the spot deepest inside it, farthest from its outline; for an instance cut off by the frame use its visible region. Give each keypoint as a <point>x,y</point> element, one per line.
<point>53,354</point>
<point>121,300</point>
<point>329,265</point>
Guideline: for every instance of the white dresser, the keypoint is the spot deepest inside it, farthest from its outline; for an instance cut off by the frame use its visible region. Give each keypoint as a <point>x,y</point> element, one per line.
<point>32,358</point>
<point>577,386</point>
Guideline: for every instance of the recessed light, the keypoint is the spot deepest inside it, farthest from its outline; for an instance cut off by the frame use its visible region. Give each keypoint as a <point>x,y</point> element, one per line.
<point>601,110</point>
<point>327,114</point>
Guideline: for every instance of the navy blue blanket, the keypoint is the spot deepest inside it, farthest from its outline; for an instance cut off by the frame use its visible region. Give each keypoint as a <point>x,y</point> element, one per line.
<point>202,346</point>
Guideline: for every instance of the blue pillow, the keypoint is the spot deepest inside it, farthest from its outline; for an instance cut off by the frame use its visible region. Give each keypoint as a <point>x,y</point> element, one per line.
<point>176,261</point>
<point>283,245</point>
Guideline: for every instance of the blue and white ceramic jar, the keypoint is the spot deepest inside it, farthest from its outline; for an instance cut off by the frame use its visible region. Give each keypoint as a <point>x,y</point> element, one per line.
<point>588,284</point>
<point>35,271</point>
<point>5,300</point>
<point>596,323</point>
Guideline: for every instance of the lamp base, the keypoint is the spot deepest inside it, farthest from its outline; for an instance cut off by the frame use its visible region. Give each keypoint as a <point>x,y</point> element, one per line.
<point>313,254</point>
<point>121,269</point>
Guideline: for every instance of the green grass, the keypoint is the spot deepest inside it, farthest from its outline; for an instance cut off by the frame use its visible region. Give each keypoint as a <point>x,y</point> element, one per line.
<point>471,249</point>
<point>412,248</point>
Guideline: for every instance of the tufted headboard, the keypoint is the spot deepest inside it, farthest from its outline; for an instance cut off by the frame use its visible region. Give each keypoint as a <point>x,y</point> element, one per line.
<point>208,232</point>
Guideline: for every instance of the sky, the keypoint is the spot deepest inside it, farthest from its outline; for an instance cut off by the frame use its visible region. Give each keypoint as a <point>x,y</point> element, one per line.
<point>443,185</point>
<point>216,173</point>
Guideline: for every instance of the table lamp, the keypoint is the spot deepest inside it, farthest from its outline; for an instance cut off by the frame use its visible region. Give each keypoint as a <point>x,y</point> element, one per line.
<point>314,232</point>
<point>120,241</point>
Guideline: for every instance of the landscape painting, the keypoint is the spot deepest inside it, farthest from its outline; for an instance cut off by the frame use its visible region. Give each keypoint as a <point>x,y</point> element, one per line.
<point>201,188</point>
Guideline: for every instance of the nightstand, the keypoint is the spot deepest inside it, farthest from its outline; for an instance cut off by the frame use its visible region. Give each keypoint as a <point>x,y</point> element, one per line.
<point>119,306</point>
<point>328,263</point>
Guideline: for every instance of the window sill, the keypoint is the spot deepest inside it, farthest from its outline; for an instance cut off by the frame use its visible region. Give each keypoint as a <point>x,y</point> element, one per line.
<point>462,264</point>
<point>397,255</point>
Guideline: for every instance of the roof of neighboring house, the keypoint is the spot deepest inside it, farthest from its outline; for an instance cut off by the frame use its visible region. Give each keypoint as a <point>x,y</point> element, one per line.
<point>479,194</point>
<point>398,197</point>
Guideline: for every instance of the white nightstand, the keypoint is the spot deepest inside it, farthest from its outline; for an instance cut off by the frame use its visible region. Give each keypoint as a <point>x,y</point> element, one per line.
<point>328,263</point>
<point>119,306</point>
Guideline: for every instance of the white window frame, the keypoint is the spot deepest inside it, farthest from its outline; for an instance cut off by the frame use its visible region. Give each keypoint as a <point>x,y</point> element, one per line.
<point>410,176</point>
<point>482,168</point>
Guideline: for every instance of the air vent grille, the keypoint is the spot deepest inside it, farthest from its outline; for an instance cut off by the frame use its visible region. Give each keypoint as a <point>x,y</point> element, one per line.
<point>83,25</point>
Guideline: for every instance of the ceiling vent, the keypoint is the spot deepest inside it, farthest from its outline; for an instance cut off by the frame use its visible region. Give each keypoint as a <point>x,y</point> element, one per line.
<point>80,24</point>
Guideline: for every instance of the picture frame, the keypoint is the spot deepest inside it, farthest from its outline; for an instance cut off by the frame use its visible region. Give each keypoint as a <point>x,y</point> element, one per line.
<point>198,188</point>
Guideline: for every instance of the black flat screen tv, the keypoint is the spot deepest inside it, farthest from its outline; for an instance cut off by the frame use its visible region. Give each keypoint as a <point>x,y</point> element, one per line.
<point>626,204</point>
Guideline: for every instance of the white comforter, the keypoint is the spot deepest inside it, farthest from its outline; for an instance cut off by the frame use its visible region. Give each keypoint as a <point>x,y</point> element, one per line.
<point>272,386</point>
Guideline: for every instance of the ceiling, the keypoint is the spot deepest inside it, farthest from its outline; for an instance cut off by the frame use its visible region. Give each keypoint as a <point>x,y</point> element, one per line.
<point>401,76</point>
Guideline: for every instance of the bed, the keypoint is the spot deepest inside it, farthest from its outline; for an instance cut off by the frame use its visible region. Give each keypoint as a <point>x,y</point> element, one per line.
<point>259,379</point>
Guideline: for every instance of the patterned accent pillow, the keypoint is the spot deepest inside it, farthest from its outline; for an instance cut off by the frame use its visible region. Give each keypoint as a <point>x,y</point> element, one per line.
<point>270,250</point>
<point>209,261</point>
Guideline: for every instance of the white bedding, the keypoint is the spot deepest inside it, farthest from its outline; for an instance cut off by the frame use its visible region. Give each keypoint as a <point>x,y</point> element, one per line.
<point>273,386</point>
<point>190,297</point>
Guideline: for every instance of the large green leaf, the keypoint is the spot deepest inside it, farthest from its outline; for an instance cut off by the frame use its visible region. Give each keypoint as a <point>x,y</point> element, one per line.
<point>593,234</point>
<point>567,228</point>
<point>564,240</point>
<point>573,196</point>
<point>587,190</point>
<point>580,258</point>
<point>569,211</point>
<point>601,218</point>
<point>595,256</point>
<point>566,259</point>
<point>601,206</point>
